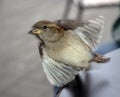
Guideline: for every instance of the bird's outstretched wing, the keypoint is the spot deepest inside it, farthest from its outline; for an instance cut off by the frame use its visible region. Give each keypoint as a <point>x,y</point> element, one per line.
<point>91,33</point>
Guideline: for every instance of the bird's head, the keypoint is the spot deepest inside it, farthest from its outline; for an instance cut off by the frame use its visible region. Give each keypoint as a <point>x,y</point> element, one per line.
<point>47,31</point>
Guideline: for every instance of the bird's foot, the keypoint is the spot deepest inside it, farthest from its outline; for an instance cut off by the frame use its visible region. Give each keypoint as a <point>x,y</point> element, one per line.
<point>99,58</point>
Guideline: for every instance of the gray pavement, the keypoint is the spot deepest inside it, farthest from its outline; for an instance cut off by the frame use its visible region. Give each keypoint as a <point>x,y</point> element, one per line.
<point>21,73</point>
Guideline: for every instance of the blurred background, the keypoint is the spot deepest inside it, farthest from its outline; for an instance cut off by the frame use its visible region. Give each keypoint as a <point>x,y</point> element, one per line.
<point>21,73</point>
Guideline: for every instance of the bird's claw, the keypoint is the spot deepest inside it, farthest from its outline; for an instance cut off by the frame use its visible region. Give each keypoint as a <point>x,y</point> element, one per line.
<point>99,59</point>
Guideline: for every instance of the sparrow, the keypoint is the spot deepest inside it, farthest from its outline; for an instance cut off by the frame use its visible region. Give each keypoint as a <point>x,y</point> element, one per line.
<point>67,47</point>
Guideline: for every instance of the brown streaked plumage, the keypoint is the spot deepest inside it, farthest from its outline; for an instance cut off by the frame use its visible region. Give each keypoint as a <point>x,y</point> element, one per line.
<point>66,47</point>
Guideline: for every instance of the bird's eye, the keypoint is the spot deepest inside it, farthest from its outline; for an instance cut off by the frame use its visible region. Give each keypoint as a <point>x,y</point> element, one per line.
<point>45,27</point>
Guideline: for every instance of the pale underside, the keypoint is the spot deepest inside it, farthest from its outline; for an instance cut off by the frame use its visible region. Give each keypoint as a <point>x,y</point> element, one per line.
<point>61,65</point>
<point>62,68</point>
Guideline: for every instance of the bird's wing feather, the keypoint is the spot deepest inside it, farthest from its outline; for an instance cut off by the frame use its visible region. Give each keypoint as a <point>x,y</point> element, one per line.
<point>58,73</point>
<point>67,24</point>
<point>91,33</point>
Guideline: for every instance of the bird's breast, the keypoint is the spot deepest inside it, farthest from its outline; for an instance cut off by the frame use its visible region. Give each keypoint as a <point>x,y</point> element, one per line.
<point>71,50</point>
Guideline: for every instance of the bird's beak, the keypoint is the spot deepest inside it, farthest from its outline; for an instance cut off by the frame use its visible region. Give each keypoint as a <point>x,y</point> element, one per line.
<point>35,31</point>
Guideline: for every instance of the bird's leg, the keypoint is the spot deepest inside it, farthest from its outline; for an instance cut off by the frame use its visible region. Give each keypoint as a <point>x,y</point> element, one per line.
<point>99,58</point>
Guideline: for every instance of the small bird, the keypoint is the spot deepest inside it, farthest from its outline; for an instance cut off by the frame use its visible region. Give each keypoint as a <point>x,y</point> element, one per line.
<point>67,47</point>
